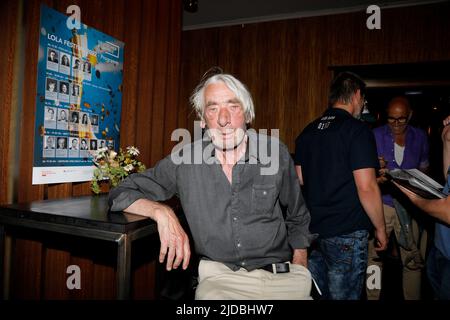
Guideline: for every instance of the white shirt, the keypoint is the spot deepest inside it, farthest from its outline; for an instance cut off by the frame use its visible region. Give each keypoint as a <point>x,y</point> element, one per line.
<point>399,152</point>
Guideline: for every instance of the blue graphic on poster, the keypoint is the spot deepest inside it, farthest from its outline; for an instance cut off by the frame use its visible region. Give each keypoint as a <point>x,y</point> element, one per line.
<point>79,97</point>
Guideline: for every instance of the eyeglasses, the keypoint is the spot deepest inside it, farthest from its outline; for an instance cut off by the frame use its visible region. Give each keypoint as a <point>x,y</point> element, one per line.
<point>400,120</point>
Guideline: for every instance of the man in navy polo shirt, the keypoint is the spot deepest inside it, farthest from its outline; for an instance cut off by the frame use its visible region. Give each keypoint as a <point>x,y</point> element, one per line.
<point>336,161</point>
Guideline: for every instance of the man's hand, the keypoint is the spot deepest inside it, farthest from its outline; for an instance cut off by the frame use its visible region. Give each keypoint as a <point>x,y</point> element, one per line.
<point>174,240</point>
<point>446,131</point>
<point>300,257</point>
<point>381,239</point>
<point>382,172</point>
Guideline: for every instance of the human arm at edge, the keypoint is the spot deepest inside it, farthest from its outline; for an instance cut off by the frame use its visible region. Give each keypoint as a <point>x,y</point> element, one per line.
<point>370,197</point>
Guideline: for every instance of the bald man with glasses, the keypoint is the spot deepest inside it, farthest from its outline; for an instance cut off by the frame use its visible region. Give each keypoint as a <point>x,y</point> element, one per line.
<point>400,145</point>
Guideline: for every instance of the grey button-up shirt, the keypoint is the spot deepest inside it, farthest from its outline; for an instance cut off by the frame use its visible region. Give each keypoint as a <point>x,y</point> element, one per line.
<point>239,224</point>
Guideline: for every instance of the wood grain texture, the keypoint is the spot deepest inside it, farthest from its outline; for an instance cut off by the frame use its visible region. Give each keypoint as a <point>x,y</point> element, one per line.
<point>285,64</point>
<point>9,13</point>
<point>26,271</point>
<point>151,30</point>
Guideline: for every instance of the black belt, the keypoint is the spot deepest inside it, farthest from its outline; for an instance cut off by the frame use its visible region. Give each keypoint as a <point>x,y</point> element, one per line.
<point>277,267</point>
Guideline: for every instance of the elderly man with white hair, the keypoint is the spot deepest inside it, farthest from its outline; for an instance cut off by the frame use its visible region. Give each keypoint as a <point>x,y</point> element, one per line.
<point>248,248</point>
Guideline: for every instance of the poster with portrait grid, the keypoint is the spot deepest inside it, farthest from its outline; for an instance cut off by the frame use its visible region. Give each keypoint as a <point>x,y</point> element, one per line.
<point>79,98</point>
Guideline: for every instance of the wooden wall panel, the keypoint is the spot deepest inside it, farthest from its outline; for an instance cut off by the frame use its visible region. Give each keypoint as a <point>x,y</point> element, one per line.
<point>145,88</point>
<point>26,274</point>
<point>9,13</point>
<point>151,30</point>
<point>285,63</point>
<point>27,191</point>
<point>200,52</point>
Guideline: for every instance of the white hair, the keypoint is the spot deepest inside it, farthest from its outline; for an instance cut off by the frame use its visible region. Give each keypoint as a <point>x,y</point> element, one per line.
<point>237,87</point>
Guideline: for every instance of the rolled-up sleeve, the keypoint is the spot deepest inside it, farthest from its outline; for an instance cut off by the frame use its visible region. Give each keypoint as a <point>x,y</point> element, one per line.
<point>157,184</point>
<point>297,214</point>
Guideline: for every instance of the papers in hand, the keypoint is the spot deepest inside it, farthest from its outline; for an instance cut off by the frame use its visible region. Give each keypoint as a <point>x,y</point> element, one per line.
<point>418,182</point>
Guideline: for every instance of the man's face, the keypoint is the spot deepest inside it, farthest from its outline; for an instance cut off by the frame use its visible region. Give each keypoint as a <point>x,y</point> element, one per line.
<point>51,113</point>
<point>398,115</point>
<point>52,55</point>
<point>224,117</point>
<point>62,115</point>
<point>83,144</point>
<point>49,142</point>
<point>64,88</point>
<point>74,143</point>
<point>61,143</point>
<point>51,86</point>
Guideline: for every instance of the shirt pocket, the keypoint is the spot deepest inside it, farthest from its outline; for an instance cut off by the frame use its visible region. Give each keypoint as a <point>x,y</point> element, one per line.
<point>263,198</point>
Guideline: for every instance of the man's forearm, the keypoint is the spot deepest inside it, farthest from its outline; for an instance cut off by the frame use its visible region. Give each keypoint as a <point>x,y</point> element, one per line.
<point>146,208</point>
<point>372,204</point>
<point>446,155</point>
<point>446,143</point>
<point>438,208</point>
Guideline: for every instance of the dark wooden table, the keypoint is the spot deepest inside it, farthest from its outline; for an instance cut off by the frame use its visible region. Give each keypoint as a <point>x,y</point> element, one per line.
<point>85,216</point>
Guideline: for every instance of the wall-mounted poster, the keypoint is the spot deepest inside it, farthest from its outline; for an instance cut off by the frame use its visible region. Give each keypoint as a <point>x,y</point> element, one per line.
<point>79,97</point>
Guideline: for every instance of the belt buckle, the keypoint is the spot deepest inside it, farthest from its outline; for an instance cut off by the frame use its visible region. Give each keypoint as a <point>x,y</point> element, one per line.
<point>280,267</point>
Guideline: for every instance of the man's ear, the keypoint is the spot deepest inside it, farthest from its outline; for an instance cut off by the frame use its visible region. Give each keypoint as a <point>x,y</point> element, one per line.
<point>355,96</point>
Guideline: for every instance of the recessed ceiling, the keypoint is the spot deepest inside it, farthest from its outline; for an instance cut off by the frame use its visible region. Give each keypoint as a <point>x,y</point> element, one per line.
<point>214,13</point>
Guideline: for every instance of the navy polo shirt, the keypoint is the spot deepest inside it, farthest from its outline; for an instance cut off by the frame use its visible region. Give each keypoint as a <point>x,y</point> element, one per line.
<point>329,150</point>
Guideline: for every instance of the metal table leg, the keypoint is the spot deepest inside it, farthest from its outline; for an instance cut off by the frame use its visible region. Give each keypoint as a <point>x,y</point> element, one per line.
<point>123,267</point>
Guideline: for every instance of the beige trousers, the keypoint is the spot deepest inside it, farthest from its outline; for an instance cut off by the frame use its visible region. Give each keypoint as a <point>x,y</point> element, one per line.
<point>218,282</point>
<point>412,260</point>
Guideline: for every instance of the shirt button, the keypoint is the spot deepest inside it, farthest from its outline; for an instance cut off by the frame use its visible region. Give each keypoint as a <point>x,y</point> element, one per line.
<point>243,263</point>
<point>264,192</point>
<point>239,245</point>
<point>235,218</point>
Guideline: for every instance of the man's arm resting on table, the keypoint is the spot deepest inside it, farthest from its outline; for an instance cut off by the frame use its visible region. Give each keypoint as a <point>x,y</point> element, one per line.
<point>174,240</point>
<point>370,198</point>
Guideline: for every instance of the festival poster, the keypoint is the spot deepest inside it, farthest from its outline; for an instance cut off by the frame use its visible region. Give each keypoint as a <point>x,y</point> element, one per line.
<point>79,97</point>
